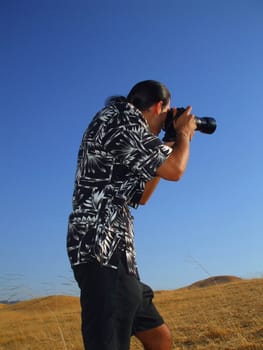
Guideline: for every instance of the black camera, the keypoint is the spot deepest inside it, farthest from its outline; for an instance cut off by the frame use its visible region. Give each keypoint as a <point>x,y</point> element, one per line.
<point>206,125</point>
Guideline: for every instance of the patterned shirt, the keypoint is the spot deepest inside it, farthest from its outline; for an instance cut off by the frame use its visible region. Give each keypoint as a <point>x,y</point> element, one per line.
<point>117,156</point>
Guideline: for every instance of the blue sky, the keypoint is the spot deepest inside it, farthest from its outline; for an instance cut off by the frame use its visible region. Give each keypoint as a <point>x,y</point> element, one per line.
<point>60,60</point>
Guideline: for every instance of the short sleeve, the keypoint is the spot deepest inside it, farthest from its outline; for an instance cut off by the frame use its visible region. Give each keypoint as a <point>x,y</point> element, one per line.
<point>137,148</point>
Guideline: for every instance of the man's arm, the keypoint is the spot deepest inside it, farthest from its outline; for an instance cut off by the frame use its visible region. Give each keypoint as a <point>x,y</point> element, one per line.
<point>175,165</point>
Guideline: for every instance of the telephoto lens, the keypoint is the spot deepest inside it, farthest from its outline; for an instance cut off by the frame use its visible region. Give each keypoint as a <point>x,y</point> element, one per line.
<point>207,125</point>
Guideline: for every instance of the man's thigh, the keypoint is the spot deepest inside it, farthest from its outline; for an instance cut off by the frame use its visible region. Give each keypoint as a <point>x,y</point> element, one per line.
<point>109,301</point>
<point>147,316</point>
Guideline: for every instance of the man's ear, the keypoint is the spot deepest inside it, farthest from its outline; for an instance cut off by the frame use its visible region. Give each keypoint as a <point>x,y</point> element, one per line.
<point>158,107</point>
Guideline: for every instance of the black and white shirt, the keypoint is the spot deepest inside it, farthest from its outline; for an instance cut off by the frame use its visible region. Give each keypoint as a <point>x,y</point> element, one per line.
<point>117,156</point>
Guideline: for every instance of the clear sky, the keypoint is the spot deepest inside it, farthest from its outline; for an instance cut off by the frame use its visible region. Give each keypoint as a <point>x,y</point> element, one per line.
<point>60,60</point>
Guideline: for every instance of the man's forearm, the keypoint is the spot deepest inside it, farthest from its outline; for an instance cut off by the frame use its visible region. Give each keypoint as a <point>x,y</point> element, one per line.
<point>174,166</point>
<point>181,153</point>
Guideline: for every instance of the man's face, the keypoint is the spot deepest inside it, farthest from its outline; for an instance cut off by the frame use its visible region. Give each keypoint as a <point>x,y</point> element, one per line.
<point>164,110</point>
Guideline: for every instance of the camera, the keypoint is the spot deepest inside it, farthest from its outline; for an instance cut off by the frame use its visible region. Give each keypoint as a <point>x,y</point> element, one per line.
<point>206,125</point>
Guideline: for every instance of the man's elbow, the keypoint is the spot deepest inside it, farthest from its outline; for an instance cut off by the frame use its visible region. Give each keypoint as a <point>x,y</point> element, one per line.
<point>143,201</point>
<point>174,175</point>
<point>171,169</point>
<point>178,174</point>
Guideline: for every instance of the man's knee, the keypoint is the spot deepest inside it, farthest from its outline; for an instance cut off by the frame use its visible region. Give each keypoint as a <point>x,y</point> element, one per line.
<point>158,338</point>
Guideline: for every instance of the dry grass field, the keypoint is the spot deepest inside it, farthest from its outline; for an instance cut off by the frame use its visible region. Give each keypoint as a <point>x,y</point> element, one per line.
<point>215,314</point>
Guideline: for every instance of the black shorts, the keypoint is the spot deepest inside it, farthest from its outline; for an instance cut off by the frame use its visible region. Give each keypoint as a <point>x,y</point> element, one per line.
<point>114,306</point>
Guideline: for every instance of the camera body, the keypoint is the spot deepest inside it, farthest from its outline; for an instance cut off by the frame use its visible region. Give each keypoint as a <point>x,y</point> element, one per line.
<point>206,125</point>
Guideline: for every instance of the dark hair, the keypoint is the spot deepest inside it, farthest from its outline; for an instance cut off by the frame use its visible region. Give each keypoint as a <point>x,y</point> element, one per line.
<point>115,99</point>
<point>144,94</point>
<point>148,92</point>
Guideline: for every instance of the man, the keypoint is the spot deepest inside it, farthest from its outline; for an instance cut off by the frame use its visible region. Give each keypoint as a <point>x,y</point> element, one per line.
<point>120,162</point>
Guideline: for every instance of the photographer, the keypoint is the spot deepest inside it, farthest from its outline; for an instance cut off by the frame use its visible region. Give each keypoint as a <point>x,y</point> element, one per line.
<point>120,162</point>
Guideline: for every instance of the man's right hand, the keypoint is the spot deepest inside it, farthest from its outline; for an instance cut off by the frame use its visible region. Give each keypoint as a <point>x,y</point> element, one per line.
<point>185,123</point>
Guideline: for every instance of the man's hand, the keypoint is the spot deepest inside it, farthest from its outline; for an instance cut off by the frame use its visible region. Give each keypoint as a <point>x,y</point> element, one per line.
<point>185,123</point>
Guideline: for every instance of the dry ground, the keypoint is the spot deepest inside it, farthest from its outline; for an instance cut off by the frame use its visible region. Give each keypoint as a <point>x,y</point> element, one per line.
<point>227,316</point>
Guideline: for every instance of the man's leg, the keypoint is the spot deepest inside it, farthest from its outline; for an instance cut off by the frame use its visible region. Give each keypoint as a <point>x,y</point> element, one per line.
<point>158,338</point>
<point>98,298</point>
<point>149,326</point>
<point>109,300</point>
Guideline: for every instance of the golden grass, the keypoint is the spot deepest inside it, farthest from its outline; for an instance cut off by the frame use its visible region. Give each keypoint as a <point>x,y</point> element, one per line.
<point>223,316</point>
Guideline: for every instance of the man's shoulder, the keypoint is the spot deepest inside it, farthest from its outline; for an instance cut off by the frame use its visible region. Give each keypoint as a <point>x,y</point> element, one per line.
<point>122,113</point>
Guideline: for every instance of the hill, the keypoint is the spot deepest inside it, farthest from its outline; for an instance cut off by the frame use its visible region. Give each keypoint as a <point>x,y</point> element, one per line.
<point>214,281</point>
<point>224,316</point>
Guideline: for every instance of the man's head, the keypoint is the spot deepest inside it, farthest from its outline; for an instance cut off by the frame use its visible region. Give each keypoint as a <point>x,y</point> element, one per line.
<point>152,98</point>
<point>147,93</point>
